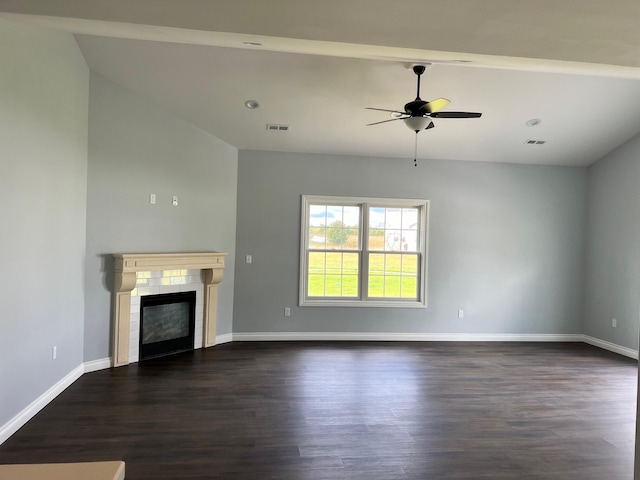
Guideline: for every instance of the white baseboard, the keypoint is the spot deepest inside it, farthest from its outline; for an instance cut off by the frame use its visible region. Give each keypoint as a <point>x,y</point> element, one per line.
<point>612,347</point>
<point>404,337</point>
<point>224,338</point>
<point>95,365</point>
<point>13,425</point>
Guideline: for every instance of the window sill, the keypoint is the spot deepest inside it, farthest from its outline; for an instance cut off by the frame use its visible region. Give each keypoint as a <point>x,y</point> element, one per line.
<point>362,303</point>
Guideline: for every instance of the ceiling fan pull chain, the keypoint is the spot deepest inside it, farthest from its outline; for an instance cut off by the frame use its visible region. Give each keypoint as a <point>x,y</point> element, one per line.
<point>415,152</point>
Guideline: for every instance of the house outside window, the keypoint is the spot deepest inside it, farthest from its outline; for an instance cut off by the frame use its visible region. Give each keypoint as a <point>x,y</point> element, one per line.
<point>363,252</point>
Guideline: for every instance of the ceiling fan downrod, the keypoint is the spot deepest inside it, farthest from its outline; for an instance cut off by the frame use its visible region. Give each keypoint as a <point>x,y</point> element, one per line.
<point>418,70</point>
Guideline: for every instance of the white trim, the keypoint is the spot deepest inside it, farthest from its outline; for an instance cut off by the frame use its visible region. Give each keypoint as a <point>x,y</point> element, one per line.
<point>612,347</point>
<point>13,425</point>
<point>224,338</point>
<point>99,364</point>
<point>405,337</point>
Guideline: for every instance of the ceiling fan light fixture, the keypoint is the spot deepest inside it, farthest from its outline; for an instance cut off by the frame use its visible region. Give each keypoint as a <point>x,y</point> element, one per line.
<point>417,123</point>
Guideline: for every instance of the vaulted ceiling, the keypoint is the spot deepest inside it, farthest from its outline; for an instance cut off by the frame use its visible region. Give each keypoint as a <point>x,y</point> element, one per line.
<point>315,66</point>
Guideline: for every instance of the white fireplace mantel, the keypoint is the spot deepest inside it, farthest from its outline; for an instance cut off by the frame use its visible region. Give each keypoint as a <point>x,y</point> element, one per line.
<point>126,267</point>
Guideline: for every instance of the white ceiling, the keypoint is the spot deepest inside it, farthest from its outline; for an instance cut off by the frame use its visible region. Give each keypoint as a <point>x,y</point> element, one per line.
<point>319,66</point>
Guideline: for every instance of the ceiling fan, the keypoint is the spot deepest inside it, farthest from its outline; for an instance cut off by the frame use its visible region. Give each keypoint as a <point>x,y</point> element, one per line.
<point>417,114</point>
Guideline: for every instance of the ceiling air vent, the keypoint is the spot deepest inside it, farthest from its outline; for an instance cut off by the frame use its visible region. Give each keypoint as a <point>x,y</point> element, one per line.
<point>535,142</point>
<point>279,128</point>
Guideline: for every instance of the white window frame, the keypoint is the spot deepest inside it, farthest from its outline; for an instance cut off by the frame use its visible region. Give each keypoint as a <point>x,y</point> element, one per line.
<point>365,203</point>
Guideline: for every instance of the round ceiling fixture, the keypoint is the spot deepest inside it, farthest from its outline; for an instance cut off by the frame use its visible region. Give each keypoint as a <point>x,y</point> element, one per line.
<point>533,122</point>
<point>417,123</point>
<point>252,104</point>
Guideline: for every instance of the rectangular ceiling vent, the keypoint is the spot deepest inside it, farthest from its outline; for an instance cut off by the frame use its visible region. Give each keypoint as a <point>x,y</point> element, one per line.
<point>535,142</point>
<point>279,128</point>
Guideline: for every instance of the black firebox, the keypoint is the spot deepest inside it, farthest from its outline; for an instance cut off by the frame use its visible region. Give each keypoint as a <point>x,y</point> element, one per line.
<point>167,323</point>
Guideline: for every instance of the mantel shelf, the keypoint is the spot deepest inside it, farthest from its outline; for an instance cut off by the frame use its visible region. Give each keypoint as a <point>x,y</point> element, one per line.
<point>141,262</point>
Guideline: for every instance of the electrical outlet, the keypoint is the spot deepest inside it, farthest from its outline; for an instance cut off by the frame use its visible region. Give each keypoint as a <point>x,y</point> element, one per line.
<point>174,201</point>
<point>248,259</point>
<point>152,198</point>
<point>460,313</point>
<point>287,312</point>
<point>614,322</point>
<point>54,353</point>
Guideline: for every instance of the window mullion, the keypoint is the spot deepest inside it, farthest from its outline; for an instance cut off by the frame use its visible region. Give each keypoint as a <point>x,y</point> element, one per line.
<point>364,248</point>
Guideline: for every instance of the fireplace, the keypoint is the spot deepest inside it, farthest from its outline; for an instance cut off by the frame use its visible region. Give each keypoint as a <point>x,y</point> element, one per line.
<point>139,274</point>
<point>167,324</point>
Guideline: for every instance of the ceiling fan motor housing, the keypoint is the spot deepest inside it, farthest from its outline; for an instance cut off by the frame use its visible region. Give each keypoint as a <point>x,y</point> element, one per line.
<point>415,108</point>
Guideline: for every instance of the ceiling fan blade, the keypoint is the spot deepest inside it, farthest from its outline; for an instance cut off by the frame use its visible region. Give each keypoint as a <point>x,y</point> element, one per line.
<point>385,110</point>
<point>435,105</point>
<point>431,125</point>
<point>455,115</point>
<point>385,121</point>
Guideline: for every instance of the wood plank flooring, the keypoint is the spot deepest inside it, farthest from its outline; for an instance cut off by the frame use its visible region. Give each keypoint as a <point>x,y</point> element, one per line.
<point>346,410</point>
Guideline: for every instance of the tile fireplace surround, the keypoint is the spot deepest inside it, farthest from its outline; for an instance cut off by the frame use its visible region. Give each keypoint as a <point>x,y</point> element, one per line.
<point>133,269</point>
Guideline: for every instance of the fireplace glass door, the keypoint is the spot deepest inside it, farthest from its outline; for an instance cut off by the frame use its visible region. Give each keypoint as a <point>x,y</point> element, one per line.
<point>167,324</point>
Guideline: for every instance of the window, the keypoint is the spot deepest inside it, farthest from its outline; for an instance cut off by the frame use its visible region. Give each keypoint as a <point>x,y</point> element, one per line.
<point>363,252</point>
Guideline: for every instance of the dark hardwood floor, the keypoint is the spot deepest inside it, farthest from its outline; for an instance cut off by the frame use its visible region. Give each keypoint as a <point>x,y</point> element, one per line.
<point>343,410</point>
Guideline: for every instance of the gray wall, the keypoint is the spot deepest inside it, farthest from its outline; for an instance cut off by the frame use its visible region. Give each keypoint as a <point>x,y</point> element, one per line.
<point>44,91</point>
<point>612,273</point>
<point>505,243</point>
<point>136,149</point>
